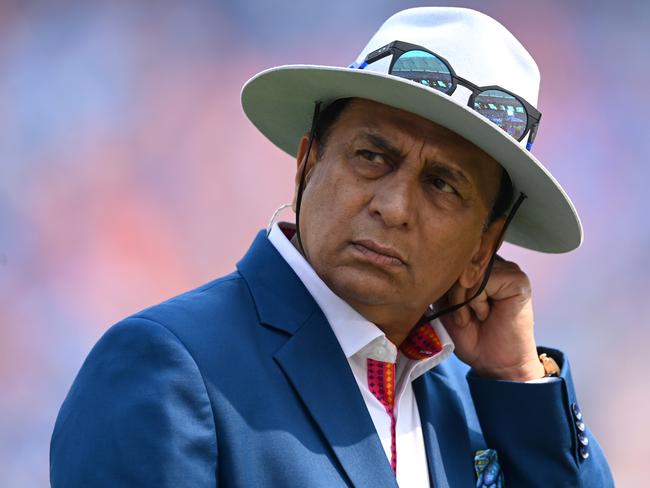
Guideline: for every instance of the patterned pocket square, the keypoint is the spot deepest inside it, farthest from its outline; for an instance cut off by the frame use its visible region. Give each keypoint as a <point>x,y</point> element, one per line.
<point>488,471</point>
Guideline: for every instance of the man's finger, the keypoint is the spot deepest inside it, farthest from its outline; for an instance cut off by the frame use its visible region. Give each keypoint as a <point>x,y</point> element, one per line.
<point>481,306</point>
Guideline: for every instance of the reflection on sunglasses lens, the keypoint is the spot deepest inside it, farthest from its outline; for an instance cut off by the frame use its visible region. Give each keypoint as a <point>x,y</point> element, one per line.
<point>424,68</point>
<point>504,110</point>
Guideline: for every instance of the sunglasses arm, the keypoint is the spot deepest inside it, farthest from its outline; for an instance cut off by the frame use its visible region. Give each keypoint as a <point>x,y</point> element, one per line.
<point>380,53</point>
<point>531,136</point>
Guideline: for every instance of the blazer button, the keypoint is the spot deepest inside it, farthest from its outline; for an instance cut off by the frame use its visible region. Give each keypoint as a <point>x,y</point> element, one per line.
<point>576,411</point>
<point>580,425</point>
<point>584,452</point>
<point>584,440</point>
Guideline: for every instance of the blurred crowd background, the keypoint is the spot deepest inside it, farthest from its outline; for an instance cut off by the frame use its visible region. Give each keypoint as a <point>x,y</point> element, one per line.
<point>128,174</point>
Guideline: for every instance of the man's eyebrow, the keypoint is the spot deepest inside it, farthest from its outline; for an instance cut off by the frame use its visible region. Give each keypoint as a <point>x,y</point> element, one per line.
<point>378,141</point>
<point>447,171</point>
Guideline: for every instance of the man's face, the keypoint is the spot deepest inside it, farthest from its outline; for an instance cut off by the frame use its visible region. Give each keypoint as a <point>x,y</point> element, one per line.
<point>394,212</point>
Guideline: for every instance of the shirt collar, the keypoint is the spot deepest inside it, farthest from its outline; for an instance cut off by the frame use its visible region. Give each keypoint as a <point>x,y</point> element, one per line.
<point>355,334</point>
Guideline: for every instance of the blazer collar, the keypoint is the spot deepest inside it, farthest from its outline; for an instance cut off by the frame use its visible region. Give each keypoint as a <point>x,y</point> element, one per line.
<point>281,299</point>
<point>315,365</point>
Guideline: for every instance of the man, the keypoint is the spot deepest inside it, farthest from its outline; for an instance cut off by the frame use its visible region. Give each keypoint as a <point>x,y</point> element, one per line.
<point>325,359</point>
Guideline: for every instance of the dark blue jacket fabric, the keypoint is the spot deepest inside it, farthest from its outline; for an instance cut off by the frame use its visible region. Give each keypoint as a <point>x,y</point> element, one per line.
<point>242,383</point>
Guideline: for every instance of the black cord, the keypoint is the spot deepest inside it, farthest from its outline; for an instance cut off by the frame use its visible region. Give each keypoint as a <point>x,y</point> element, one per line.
<point>488,270</point>
<point>301,185</point>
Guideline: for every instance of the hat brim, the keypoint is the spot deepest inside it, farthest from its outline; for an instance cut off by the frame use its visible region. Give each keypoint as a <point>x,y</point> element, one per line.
<point>280,103</point>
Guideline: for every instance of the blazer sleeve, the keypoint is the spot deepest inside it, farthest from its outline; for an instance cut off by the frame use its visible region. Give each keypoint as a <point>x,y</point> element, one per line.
<point>537,430</point>
<point>137,415</point>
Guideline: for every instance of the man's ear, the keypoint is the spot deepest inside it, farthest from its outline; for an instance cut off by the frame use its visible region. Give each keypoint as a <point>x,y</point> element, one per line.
<point>474,271</point>
<point>300,162</point>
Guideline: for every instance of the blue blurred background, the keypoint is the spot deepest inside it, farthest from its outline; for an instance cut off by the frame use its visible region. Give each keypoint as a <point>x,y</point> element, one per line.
<point>128,174</point>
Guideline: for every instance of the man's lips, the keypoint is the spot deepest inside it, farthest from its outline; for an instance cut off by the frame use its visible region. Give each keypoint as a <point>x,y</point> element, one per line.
<point>378,253</point>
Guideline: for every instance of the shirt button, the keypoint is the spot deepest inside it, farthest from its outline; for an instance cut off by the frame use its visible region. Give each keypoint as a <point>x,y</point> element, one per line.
<point>380,352</point>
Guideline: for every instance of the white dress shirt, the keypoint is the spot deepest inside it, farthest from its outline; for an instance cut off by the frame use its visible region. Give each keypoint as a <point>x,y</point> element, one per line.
<point>361,339</point>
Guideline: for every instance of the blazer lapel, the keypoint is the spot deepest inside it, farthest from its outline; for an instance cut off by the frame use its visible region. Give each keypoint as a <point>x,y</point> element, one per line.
<point>449,451</point>
<point>316,366</point>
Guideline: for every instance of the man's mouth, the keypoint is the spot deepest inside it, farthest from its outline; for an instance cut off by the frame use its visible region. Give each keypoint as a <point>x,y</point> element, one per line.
<point>379,254</point>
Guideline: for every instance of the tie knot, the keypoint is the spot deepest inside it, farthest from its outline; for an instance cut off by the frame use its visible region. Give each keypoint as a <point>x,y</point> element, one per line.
<point>421,343</point>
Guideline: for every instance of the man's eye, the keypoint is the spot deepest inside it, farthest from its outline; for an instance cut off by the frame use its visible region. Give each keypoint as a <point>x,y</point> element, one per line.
<point>443,186</point>
<point>371,164</point>
<point>372,156</point>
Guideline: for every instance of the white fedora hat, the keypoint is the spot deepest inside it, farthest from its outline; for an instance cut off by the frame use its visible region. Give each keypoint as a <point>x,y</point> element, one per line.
<point>280,103</point>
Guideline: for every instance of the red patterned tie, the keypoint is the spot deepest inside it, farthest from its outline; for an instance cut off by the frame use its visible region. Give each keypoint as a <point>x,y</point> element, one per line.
<point>381,381</point>
<point>421,343</point>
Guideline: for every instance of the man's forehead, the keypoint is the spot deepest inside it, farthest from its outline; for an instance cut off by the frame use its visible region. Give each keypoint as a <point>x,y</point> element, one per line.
<point>363,114</point>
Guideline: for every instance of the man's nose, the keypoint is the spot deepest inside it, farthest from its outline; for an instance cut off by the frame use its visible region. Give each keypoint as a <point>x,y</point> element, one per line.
<point>394,201</point>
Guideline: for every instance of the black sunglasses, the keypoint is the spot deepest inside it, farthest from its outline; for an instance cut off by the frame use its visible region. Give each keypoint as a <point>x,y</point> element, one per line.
<point>509,111</point>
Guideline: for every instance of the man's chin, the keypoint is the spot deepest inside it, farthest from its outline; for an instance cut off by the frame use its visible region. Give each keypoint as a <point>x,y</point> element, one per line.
<point>355,288</point>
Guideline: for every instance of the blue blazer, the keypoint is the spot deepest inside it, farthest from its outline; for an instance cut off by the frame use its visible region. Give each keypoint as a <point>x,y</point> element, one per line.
<point>242,383</point>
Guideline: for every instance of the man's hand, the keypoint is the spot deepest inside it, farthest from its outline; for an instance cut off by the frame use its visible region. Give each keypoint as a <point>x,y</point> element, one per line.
<point>494,332</point>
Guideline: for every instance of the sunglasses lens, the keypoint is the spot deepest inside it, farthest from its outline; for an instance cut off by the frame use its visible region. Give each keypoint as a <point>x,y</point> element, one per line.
<point>424,68</point>
<point>504,110</point>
